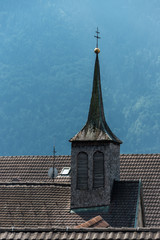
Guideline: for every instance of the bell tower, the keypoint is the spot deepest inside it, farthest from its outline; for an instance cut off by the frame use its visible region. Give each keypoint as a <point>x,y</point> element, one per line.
<point>95,153</point>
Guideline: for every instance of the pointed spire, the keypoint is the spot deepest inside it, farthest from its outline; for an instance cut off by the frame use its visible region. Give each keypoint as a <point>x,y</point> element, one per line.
<point>96,112</point>
<point>96,128</point>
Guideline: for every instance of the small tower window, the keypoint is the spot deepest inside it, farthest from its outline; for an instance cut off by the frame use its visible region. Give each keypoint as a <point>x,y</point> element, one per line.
<point>98,170</point>
<point>82,171</point>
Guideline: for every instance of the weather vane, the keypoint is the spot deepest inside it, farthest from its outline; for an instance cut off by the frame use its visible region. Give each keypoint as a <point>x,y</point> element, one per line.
<point>97,37</point>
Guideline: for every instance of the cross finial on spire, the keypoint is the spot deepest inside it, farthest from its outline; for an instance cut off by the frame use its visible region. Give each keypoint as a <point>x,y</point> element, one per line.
<point>97,37</point>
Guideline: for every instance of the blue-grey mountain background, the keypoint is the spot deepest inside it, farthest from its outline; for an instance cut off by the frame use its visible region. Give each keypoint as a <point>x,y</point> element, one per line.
<point>46,72</point>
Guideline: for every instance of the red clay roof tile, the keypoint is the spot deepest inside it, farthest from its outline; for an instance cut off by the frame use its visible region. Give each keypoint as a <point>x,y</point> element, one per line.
<point>34,169</point>
<point>49,206</point>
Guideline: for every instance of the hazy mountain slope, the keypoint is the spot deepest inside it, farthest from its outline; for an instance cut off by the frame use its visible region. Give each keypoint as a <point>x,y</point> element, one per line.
<point>46,71</point>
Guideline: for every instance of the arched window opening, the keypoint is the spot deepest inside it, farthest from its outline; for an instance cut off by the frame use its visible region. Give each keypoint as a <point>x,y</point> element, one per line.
<point>98,170</point>
<point>82,171</point>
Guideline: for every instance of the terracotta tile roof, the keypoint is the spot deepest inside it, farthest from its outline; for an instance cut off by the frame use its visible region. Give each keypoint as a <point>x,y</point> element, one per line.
<point>34,169</point>
<point>146,167</point>
<point>49,206</point>
<point>29,169</point>
<point>96,222</point>
<point>82,234</point>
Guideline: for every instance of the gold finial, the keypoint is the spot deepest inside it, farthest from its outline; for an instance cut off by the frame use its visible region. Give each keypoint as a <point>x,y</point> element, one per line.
<point>97,50</point>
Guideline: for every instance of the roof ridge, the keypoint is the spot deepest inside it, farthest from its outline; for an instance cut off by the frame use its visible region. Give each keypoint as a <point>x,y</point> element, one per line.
<point>33,184</point>
<point>24,156</point>
<point>69,156</point>
<point>143,154</point>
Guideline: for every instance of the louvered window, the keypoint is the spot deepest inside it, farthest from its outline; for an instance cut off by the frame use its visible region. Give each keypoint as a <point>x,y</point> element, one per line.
<point>82,171</point>
<point>98,170</point>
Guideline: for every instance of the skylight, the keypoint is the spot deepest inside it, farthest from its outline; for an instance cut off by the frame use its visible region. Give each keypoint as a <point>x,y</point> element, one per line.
<point>65,171</point>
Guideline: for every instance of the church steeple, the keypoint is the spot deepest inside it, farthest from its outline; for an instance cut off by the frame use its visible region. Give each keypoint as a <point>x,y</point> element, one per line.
<point>95,156</point>
<point>96,127</point>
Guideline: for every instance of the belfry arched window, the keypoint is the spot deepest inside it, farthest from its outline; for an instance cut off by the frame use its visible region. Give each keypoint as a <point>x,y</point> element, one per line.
<point>82,170</point>
<point>98,169</point>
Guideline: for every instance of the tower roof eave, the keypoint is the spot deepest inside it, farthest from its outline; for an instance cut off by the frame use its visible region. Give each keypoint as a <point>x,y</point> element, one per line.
<point>95,134</point>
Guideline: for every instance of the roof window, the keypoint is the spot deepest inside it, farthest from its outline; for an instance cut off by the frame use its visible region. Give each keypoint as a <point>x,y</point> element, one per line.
<point>65,171</point>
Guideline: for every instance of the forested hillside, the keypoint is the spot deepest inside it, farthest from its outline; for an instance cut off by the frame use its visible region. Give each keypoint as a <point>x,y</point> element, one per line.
<point>46,72</point>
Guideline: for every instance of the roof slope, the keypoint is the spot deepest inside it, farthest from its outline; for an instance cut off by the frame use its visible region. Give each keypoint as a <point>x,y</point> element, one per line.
<point>96,222</point>
<point>146,167</point>
<point>49,206</point>
<point>34,169</point>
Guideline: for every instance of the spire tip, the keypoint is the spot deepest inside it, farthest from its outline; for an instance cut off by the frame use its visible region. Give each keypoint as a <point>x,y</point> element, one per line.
<point>97,50</point>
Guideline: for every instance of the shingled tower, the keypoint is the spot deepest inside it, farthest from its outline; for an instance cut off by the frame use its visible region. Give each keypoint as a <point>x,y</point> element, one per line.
<point>95,156</point>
